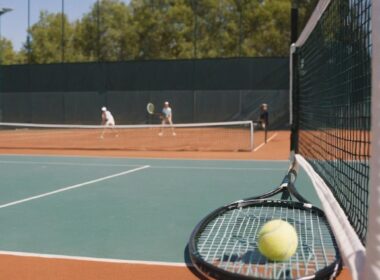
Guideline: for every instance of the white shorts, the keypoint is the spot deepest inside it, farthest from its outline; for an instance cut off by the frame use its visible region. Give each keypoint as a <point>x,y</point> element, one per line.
<point>110,123</point>
<point>167,121</point>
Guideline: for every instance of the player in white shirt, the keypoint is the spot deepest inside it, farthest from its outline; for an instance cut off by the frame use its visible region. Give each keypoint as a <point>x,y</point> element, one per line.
<point>107,121</point>
<point>167,118</point>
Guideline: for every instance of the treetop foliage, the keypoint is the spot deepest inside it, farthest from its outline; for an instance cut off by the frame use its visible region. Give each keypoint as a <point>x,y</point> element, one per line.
<point>161,29</point>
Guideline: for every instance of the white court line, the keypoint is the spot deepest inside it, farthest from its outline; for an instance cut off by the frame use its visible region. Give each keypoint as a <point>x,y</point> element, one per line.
<point>73,187</point>
<point>133,165</point>
<point>139,158</point>
<point>67,163</point>
<point>218,168</point>
<point>91,259</point>
<point>262,144</point>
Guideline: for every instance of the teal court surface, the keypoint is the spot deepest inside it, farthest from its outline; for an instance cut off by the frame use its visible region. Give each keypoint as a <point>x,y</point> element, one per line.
<point>121,209</point>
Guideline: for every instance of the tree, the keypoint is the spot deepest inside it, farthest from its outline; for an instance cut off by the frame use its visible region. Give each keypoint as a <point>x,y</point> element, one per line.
<point>271,37</point>
<point>8,55</point>
<point>211,28</point>
<point>165,29</point>
<point>106,32</point>
<point>47,44</point>
<point>226,28</point>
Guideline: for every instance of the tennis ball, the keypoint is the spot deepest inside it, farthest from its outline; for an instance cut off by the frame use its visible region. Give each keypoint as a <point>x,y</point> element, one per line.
<point>278,240</point>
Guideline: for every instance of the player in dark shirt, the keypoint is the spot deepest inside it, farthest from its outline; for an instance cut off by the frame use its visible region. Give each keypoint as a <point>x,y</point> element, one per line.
<point>264,116</point>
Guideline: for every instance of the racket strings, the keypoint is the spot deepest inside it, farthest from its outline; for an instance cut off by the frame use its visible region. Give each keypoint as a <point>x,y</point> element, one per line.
<point>230,242</point>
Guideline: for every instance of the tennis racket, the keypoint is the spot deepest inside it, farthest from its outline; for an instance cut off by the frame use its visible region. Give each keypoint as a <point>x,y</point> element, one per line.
<point>150,108</point>
<point>224,244</point>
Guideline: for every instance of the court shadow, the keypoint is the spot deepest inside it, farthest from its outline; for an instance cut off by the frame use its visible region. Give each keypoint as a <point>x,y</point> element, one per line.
<point>186,256</point>
<point>252,256</point>
<point>249,257</point>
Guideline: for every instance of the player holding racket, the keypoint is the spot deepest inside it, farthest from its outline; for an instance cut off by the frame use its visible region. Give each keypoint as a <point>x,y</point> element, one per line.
<point>108,121</point>
<point>167,118</point>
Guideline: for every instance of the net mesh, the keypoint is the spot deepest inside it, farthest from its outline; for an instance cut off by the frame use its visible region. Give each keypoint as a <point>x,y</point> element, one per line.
<point>229,136</point>
<point>332,102</point>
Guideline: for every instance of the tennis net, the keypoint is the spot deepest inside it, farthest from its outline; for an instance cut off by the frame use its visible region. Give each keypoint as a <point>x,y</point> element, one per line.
<point>331,115</point>
<point>223,136</point>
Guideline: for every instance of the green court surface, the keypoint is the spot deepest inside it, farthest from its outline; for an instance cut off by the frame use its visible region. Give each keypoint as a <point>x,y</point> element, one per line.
<point>117,208</point>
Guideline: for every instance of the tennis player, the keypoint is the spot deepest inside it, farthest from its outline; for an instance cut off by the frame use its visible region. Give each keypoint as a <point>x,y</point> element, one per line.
<point>264,116</point>
<point>167,118</point>
<point>108,121</point>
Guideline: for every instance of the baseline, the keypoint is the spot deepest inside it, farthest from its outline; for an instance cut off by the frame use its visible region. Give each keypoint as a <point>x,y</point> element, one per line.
<point>92,259</point>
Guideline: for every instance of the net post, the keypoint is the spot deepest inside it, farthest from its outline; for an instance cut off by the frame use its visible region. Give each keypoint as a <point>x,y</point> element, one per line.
<point>266,134</point>
<point>292,51</point>
<point>292,99</point>
<point>372,265</point>
<point>251,128</point>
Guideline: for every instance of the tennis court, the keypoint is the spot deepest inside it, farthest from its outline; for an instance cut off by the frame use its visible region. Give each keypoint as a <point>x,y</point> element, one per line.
<point>191,200</point>
<point>119,209</point>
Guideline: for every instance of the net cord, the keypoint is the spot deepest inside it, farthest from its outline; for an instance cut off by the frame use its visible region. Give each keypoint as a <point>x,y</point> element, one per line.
<point>372,266</point>
<point>312,22</point>
<point>350,246</point>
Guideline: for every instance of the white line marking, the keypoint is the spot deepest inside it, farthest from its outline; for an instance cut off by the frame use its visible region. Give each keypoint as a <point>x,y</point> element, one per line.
<point>139,158</point>
<point>73,187</point>
<point>217,168</point>
<point>262,144</point>
<point>134,165</point>
<point>259,147</point>
<point>91,259</point>
<point>66,163</point>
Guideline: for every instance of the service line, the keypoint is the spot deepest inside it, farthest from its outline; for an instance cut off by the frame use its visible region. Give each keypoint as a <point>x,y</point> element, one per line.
<point>73,187</point>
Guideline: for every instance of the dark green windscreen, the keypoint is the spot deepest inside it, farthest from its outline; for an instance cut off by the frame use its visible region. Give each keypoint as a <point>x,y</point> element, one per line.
<point>207,90</point>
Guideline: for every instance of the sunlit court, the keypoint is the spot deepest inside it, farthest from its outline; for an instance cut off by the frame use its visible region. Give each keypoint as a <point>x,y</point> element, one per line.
<point>116,210</point>
<point>189,139</point>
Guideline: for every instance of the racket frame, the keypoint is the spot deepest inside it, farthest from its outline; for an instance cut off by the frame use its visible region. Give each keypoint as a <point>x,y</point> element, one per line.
<point>288,190</point>
<point>148,108</point>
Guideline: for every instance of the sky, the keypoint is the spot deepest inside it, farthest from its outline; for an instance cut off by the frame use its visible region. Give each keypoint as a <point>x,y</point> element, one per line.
<point>15,23</point>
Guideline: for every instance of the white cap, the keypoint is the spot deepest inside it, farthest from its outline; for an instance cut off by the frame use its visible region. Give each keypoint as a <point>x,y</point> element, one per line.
<point>166,103</point>
<point>104,109</point>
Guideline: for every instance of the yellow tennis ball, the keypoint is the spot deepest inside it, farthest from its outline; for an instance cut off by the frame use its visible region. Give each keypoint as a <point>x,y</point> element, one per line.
<point>278,240</point>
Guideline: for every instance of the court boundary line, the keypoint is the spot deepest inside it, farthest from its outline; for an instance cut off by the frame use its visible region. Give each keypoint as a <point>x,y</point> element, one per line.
<point>139,158</point>
<point>72,187</point>
<point>268,140</point>
<point>91,259</point>
<point>134,165</point>
<point>68,163</point>
<point>219,168</point>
